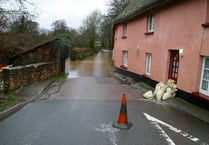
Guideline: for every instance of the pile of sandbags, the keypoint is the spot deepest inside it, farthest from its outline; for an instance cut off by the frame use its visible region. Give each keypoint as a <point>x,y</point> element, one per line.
<point>163,91</point>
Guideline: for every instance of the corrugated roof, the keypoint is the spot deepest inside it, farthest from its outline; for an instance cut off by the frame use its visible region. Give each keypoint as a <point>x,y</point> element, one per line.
<point>137,7</point>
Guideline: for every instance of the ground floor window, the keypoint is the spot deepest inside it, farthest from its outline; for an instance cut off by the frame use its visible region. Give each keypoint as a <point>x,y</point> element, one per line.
<point>148,63</point>
<point>125,58</point>
<point>204,85</point>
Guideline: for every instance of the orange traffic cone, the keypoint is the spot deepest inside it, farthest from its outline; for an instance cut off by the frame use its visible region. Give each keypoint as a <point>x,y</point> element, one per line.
<point>122,122</point>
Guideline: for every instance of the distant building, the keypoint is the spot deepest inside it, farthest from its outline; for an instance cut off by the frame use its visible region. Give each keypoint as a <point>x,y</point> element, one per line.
<point>43,52</point>
<point>158,40</point>
<point>43,61</point>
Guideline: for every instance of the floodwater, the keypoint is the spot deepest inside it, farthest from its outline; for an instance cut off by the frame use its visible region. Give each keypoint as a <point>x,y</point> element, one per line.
<point>97,65</point>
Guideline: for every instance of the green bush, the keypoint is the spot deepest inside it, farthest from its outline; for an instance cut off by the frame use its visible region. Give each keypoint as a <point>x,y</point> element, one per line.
<point>82,53</point>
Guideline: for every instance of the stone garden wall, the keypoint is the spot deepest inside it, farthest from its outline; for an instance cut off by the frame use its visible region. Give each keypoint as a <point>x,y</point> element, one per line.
<point>16,77</point>
<point>40,62</point>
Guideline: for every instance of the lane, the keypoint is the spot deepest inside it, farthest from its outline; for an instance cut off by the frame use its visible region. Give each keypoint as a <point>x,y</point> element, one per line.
<point>82,112</point>
<point>96,88</point>
<point>79,122</point>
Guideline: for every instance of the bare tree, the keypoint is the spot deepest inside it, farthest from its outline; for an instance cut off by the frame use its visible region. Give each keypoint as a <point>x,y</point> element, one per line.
<point>106,32</point>
<point>59,26</point>
<point>10,10</point>
<point>116,7</point>
<point>91,27</point>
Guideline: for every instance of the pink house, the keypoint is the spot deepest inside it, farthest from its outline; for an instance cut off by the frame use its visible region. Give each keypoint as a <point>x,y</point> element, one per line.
<point>156,40</point>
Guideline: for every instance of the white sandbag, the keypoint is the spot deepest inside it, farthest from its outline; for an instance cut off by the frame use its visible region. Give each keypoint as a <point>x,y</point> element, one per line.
<point>148,95</point>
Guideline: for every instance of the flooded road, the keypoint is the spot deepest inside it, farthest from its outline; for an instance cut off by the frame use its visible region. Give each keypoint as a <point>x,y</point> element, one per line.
<point>83,110</point>
<point>97,65</point>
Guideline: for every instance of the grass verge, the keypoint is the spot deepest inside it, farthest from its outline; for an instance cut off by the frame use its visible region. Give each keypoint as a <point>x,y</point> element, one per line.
<point>9,100</point>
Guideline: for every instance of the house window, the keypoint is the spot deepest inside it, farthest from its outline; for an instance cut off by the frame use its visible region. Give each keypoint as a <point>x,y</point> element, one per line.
<point>151,21</point>
<point>116,34</point>
<point>148,63</point>
<point>125,58</point>
<point>125,30</point>
<point>204,86</point>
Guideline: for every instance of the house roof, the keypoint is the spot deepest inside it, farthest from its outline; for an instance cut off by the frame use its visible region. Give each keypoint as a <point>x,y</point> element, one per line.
<point>35,47</point>
<point>137,7</point>
<point>39,45</point>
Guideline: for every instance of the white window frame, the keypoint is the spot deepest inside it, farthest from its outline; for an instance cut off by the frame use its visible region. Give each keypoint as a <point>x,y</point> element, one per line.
<point>151,22</point>
<point>125,29</point>
<point>148,63</point>
<point>125,58</point>
<point>201,90</point>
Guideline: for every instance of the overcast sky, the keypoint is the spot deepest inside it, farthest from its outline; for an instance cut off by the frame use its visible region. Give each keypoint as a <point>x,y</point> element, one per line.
<point>73,11</point>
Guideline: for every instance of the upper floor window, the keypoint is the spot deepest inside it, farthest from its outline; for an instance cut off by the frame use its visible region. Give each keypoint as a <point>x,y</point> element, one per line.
<point>116,34</point>
<point>151,22</point>
<point>206,24</point>
<point>125,30</point>
<point>207,13</point>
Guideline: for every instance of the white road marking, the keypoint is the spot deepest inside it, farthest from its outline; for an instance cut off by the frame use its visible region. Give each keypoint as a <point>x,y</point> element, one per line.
<point>156,123</point>
<point>110,130</point>
<point>163,134</point>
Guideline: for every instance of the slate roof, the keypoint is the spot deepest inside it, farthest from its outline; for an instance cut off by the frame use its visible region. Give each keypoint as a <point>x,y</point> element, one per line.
<point>137,7</point>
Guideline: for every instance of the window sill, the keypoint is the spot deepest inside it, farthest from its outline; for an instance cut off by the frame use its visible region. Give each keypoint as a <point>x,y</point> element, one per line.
<point>124,37</point>
<point>205,25</point>
<point>124,67</point>
<point>149,33</point>
<point>146,76</point>
<point>200,96</point>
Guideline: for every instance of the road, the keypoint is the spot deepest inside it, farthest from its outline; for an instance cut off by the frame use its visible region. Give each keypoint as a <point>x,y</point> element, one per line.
<point>83,111</point>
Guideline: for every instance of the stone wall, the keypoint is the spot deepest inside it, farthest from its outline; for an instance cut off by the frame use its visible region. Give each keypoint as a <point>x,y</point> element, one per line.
<point>16,77</point>
<point>40,62</point>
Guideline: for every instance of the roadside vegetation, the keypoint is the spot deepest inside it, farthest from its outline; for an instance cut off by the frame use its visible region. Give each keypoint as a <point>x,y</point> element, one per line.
<point>79,53</point>
<point>9,100</point>
<point>19,31</point>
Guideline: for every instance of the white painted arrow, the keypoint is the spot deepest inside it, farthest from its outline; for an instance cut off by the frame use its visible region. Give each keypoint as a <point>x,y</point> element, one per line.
<point>156,122</point>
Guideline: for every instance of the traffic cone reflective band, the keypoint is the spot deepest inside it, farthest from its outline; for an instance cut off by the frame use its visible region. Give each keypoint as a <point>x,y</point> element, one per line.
<point>122,122</point>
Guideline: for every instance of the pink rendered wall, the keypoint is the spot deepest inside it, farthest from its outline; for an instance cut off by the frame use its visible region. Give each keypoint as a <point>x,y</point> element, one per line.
<point>176,27</point>
<point>205,36</point>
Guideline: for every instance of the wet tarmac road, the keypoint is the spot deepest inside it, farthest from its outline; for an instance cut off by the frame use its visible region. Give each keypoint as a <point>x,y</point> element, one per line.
<point>71,117</point>
<point>82,113</point>
<point>96,88</point>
